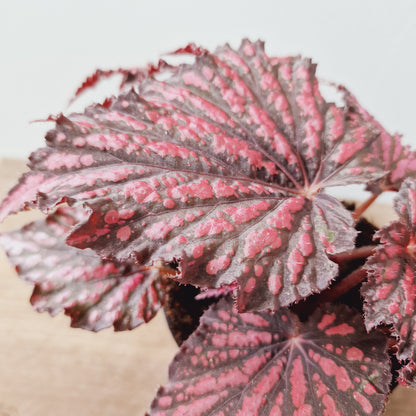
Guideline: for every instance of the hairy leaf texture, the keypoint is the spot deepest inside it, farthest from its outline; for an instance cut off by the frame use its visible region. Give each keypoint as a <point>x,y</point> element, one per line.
<point>220,167</point>
<point>390,292</point>
<point>407,374</point>
<point>388,153</point>
<point>94,293</point>
<point>272,364</point>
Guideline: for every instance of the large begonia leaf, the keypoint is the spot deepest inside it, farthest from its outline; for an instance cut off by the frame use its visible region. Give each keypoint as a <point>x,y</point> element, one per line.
<point>94,293</point>
<point>266,363</point>
<point>388,153</point>
<point>220,166</point>
<point>390,293</point>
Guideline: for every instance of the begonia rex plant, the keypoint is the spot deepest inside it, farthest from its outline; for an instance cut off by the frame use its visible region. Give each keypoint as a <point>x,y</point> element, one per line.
<point>206,184</point>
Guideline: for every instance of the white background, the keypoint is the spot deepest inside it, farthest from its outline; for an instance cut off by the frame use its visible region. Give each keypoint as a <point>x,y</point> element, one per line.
<point>48,47</point>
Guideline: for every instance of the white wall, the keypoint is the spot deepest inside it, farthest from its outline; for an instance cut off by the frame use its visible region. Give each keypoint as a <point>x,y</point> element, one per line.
<point>48,47</point>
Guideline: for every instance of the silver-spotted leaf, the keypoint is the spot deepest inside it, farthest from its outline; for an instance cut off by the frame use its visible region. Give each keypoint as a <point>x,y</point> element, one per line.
<point>390,293</point>
<point>272,364</point>
<point>219,166</point>
<point>94,293</point>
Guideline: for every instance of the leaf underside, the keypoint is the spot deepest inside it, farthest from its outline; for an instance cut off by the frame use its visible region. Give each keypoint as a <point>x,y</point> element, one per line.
<point>271,364</point>
<point>220,167</point>
<point>94,293</point>
<point>390,293</point>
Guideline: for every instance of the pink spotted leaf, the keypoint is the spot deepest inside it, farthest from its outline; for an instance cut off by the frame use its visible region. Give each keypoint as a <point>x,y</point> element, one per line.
<point>272,364</point>
<point>220,166</point>
<point>94,293</point>
<point>390,293</point>
<point>388,153</point>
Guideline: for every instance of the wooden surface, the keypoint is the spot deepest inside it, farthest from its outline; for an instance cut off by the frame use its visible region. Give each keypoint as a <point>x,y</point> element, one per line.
<point>49,369</point>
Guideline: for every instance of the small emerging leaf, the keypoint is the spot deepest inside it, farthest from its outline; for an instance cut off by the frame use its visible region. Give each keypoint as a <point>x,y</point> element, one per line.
<point>94,293</point>
<point>272,364</point>
<point>390,293</point>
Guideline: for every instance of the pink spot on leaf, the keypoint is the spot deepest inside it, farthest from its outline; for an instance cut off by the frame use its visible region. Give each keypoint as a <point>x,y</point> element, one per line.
<point>342,329</point>
<point>124,233</point>
<point>298,382</point>
<point>215,265</point>
<point>250,285</point>
<point>256,242</point>
<point>202,190</point>
<point>169,203</point>
<point>326,320</point>
<point>198,250</point>
<point>365,404</point>
<point>283,215</point>
<point>212,227</point>
<point>354,353</point>
<point>191,78</point>
<point>241,215</point>
<point>112,217</point>
<point>274,283</point>
<point>258,270</point>
<point>161,229</point>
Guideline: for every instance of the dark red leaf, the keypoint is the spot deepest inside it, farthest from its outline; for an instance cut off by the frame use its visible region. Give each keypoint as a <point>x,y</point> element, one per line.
<point>94,79</point>
<point>107,102</point>
<point>272,364</point>
<point>129,77</point>
<point>388,153</point>
<point>221,167</point>
<point>192,49</point>
<point>390,292</point>
<point>94,293</point>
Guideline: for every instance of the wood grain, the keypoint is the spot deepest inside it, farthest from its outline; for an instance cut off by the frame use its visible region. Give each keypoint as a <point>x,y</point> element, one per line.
<point>49,369</point>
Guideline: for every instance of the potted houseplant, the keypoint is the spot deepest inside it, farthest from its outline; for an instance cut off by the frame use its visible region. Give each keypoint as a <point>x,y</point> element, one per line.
<point>201,188</point>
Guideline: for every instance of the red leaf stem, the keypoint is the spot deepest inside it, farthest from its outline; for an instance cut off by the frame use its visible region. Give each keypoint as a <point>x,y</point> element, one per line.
<point>357,253</point>
<point>364,206</point>
<point>345,285</point>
